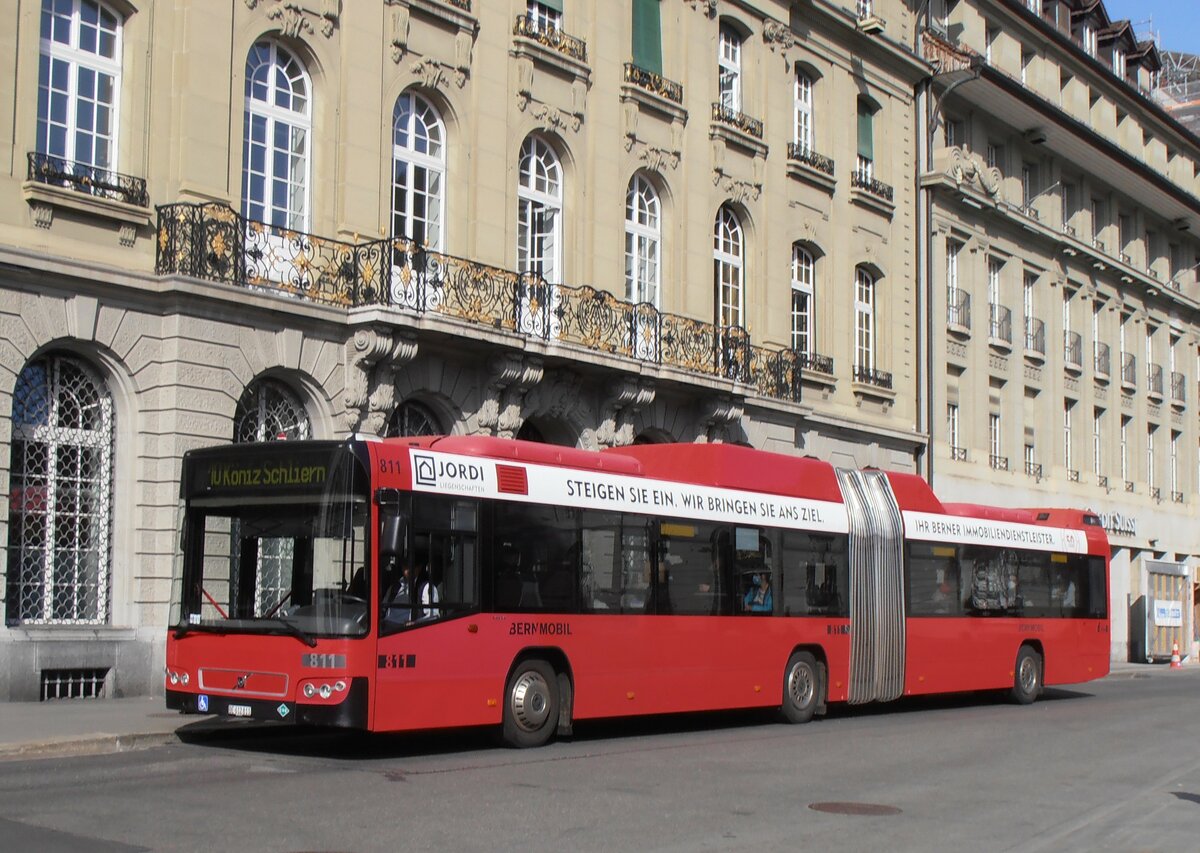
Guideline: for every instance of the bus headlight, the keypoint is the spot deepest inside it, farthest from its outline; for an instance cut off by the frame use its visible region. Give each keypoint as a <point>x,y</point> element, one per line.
<point>309,690</point>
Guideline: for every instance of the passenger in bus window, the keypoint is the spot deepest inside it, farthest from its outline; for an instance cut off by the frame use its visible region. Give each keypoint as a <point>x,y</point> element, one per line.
<point>758,597</point>
<point>428,595</point>
<point>397,598</point>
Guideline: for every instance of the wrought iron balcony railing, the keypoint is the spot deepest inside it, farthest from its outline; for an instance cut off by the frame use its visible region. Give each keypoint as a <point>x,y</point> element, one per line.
<point>1073,350</point>
<point>1129,370</point>
<point>1000,324</point>
<point>863,180</point>
<point>999,463</point>
<point>213,242</point>
<point>1034,469</point>
<point>652,82</point>
<point>1154,380</point>
<point>1102,360</point>
<point>1102,481</point>
<point>465,5</point>
<point>804,154</point>
<point>88,180</point>
<point>958,308</point>
<point>1035,336</point>
<point>871,376</point>
<point>1073,475</point>
<point>722,114</point>
<point>816,362</point>
<point>959,453</point>
<point>527,26</point>
<point>1129,485</point>
<point>1176,497</point>
<point>1155,493</point>
<point>1178,387</point>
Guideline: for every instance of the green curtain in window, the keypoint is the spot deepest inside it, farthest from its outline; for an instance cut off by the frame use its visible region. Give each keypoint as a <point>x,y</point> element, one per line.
<point>647,36</point>
<point>556,5</point>
<point>866,135</point>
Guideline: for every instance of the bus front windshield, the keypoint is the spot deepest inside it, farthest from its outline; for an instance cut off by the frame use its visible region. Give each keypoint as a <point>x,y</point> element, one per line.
<point>293,563</point>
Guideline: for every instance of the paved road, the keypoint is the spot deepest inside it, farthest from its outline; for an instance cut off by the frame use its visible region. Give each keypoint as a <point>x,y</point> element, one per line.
<point>1113,765</point>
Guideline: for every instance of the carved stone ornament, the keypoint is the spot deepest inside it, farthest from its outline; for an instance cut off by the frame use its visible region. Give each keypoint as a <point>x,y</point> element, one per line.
<point>296,17</point>
<point>553,118</point>
<point>431,73</point>
<point>969,167</point>
<point>708,7</point>
<point>512,375</point>
<point>625,397</point>
<point>777,35</point>
<point>737,190</point>
<point>717,415</point>
<point>656,159</point>
<point>372,357</point>
<point>43,214</point>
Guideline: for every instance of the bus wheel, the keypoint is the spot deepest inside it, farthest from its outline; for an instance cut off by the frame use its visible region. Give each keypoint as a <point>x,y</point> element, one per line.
<point>801,688</point>
<point>1027,677</point>
<point>530,704</point>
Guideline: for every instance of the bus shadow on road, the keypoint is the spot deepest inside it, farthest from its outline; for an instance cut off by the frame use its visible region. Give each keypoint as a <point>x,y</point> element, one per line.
<point>308,742</point>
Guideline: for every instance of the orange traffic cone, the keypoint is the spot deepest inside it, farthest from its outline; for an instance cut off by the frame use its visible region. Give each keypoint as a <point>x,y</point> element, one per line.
<point>1175,664</point>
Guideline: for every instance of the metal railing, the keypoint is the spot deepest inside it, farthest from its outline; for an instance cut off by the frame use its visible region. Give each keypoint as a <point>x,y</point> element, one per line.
<point>1176,497</point>
<point>1129,369</point>
<point>1178,387</point>
<point>1073,350</point>
<point>1000,323</point>
<point>959,453</point>
<point>1072,475</point>
<point>1102,481</point>
<point>1034,469</point>
<point>999,463</point>
<point>88,180</point>
<point>653,82</point>
<point>1035,336</point>
<point>527,26</point>
<point>804,154</point>
<point>1154,380</point>
<point>861,179</point>
<point>213,242</point>
<point>816,362</point>
<point>958,308</point>
<point>1129,485</point>
<point>871,376</point>
<point>1155,493</point>
<point>728,116</point>
<point>1102,359</point>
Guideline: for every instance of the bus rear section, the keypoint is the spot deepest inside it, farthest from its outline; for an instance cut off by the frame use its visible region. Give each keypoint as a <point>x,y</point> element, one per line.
<point>271,589</point>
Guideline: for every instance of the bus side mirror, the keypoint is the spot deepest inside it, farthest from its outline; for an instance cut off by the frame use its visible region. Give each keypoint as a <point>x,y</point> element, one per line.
<point>393,532</point>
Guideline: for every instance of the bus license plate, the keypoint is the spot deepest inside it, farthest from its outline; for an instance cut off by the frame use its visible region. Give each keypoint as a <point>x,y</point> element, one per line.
<point>239,710</point>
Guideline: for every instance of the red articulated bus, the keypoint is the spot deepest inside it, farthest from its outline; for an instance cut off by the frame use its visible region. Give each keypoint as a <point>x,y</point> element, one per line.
<point>434,582</point>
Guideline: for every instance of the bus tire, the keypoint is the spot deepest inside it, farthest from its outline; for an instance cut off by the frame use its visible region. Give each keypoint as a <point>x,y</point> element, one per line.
<point>530,704</point>
<point>801,688</point>
<point>1027,677</point>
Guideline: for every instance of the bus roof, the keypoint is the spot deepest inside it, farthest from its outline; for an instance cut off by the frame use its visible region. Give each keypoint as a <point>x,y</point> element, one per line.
<point>535,452</point>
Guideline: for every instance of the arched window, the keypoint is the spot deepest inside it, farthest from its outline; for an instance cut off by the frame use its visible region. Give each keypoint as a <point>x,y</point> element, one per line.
<point>729,68</point>
<point>803,275</point>
<point>269,411</point>
<point>278,124</point>
<point>803,135</point>
<point>864,322</point>
<point>79,82</point>
<point>539,210</point>
<point>418,169</point>
<point>643,232</point>
<point>60,498</point>
<point>412,418</point>
<point>727,268</point>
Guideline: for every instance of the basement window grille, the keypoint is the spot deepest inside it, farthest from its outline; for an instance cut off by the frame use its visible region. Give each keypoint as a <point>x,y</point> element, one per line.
<point>73,684</point>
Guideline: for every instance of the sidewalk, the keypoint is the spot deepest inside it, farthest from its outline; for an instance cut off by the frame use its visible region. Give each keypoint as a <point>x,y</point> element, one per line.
<point>96,727</point>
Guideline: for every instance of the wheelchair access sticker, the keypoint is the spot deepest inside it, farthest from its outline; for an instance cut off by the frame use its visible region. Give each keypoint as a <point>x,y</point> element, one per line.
<point>202,704</point>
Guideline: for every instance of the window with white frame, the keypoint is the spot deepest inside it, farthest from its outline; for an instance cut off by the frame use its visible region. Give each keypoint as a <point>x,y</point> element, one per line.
<point>1174,463</point>
<point>1068,410</point>
<point>1118,62</point>
<point>544,15</point>
<point>995,445</point>
<point>269,411</point>
<point>643,236</point>
<point>991,36</point>
<point>1151,435</point>
<point>60,495</point>
<point>864,165</point>
<point>539,210</point>
<point>275,150</point>
<point>863,8</point>
<point>864,319</point>
<point>728,254</point>
<point>1027,300</point>
<point>418,171</point>
<point>729,68</point>
<point>803,275</point>
<point>995,266</point>
<point>1097,440</point>
<point>952,426</point>
<point>1125,421</point>
<point>803,105</point>
<point>79,82</point>
<point>1090,39</point>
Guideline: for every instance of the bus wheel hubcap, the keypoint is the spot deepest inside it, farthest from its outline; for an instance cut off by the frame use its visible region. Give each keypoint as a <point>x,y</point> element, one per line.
<point>530,701</point>
<point>1028,675</point>
<point>800,685</point>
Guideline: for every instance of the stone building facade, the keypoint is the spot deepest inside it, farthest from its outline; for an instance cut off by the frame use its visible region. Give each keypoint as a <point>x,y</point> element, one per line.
<point>267,219</point>
<point>1063,211</point>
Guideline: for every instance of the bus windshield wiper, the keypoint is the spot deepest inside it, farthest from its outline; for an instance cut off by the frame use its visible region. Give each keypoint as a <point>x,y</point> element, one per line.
<point>297,632</point>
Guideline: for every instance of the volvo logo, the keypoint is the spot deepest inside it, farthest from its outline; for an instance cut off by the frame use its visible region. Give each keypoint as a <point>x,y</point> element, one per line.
<point>241,682</point>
